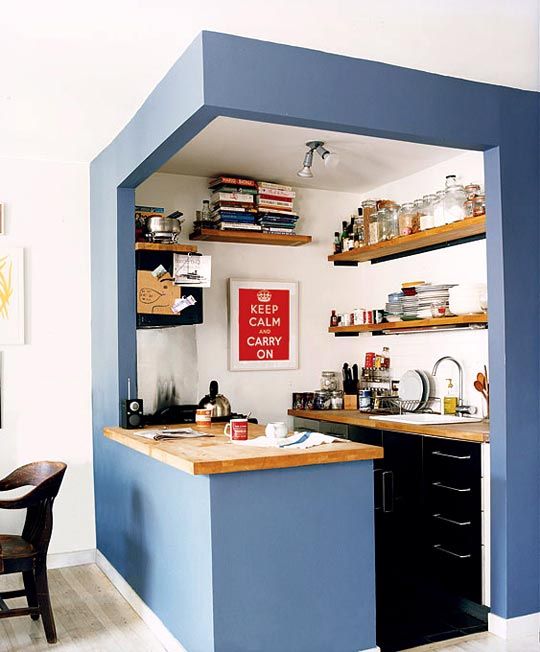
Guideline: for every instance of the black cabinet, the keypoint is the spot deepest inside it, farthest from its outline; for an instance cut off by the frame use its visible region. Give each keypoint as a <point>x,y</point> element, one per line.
<point>427,537</point>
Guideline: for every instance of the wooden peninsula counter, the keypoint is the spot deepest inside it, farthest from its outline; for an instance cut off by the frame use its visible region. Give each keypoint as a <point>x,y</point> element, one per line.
<point>267,549</point>
<point>217,454</point>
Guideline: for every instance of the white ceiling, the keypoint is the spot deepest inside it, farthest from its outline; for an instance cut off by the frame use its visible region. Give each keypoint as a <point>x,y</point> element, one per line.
<point>74,72</point>
<point>273,152</point>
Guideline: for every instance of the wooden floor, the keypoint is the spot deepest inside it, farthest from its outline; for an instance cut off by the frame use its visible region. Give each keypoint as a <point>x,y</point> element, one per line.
<point>90,615</point>
<point>482,643</point>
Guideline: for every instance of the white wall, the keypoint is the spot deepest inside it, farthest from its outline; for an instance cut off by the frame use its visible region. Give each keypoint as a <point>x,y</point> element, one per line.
<point>46,400</point>
<point>322,288</point>
<point>89,66</point>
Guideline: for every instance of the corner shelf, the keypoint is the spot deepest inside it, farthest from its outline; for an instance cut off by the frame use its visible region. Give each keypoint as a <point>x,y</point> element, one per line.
<point>177,248</point>
<point>449,234</point>
<point>250,237</point>
<point>416,324</point>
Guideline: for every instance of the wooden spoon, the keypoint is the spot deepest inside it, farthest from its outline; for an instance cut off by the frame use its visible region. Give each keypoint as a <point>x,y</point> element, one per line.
<point>480,378</point>
<point>479,387</point>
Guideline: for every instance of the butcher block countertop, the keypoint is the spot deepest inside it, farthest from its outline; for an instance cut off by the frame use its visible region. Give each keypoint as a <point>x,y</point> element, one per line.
<point>477,431</point>
<point>209,455</point>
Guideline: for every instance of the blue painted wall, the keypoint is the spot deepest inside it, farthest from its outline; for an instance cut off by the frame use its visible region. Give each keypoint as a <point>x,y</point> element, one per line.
<point>293,557</point>
<point>343,94</point>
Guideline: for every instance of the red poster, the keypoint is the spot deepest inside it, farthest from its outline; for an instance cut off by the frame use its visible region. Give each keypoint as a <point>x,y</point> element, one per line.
<point>263,324</point>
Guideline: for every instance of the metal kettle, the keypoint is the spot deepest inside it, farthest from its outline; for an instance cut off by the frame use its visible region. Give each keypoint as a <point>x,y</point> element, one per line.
<point>219,404</point>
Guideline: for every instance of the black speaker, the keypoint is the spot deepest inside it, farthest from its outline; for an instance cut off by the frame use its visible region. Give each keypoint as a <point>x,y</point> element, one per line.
<point>131,413</point>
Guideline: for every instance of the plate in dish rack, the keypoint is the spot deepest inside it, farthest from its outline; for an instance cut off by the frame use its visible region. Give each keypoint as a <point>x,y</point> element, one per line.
<point>411,387</point>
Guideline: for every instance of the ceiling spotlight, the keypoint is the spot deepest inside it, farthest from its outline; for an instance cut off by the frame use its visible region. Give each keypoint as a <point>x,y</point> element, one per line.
<point>306,172</point>
<point>330,159</point>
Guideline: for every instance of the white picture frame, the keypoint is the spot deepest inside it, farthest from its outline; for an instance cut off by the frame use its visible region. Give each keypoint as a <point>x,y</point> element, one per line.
<point>11,295</point>
<point>260,313</point>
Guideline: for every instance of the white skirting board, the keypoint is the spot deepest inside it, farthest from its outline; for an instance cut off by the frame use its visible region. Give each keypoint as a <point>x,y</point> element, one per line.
<point>512,628</point>
<point>164,636</point>
<point>65,559</point>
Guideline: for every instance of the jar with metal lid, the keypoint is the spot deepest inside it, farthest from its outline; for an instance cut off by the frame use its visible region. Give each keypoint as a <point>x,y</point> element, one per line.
<point>322,400</point>
<point>329,381</point>
<point>336,400</point>
<point>479,207</point>
<point>374,228</point>
<point>408,219</point>
<point>454,200</point>
<point>364,399</point>
<point>471,190</point>
<point>369,206</point>
<point>427,219</point>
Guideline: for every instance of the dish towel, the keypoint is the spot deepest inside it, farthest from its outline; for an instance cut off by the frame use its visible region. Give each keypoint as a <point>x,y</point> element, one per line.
<point>306,439</point>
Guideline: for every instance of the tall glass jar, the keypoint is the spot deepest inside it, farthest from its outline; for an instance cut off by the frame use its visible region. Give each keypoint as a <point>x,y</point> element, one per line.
<point>392,220</point>
<point>383,224</point>
<point>329,381</point>
<point>369,206</point>
<point>438,208</point>
<point>427,219</point>
<point>374,228</point>
<point>454,200</point>
<point>408,219</point>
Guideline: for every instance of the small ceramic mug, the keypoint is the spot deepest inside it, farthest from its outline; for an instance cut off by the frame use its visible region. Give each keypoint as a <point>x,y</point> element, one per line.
<point>276,430</point>
<point>237,429</point>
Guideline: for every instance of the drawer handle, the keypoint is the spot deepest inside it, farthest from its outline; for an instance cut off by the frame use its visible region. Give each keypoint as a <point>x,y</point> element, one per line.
<point>452,457</point>
<point>438,546</point>
<point>445,486</point>
<point>450,520</point>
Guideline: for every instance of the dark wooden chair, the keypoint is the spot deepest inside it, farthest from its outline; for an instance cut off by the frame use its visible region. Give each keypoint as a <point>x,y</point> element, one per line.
<point>27,554</point>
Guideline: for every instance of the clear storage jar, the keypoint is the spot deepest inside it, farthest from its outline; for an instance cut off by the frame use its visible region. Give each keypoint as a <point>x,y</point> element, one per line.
<point>427,219</point>
<point>369,206</point>
<point>329,381</point>
<point>374,228</point>
<point>408,219</point>
<point>454,200</point>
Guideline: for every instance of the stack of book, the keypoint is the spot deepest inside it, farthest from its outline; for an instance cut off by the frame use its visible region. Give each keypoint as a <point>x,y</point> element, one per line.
<point>275,204</point>
<point>233,204</point>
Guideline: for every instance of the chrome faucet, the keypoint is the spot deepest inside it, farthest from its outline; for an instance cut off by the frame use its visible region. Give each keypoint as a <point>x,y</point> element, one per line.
<point>460,369</point>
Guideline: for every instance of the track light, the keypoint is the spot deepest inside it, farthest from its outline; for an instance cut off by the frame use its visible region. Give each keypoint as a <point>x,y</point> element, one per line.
<point>330,159</point>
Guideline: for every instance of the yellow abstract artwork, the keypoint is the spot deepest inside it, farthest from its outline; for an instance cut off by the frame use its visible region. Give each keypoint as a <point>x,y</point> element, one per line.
<point>6,285</point>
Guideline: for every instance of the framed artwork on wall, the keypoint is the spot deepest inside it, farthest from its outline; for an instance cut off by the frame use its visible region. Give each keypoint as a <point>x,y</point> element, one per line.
<point>11,295</point>
<point>263,325</point>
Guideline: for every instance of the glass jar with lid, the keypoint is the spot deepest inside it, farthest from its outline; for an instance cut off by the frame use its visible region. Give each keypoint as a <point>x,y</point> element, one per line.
<point>329,381</point>
<point>479,205</point>
<point>454,200</point>
<point>374,228</point>
<point>369,206</point>
<point>392,223</point>
<point>471,190</point>
<point>408,219</point>
<point>383,223</point>
<point>438,208</point>
<point>336,400</point>
<point>427,219</point>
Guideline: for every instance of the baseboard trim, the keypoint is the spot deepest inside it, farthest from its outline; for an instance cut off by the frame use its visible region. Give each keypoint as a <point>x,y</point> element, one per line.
<point>152,621</point>
<point>372,649</point>
<point>66,559</point>
<point>512,628</point>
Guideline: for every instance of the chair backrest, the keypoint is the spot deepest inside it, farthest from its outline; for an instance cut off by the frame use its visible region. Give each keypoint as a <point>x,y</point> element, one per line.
<point>46,478</point>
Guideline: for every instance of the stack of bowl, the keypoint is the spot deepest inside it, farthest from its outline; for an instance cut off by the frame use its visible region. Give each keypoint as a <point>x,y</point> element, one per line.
<point>393,307</point>
<point>467,299</point>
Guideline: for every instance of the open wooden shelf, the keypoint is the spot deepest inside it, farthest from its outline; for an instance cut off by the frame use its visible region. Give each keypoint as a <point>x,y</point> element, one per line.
<point>441,235</point>
<point>177,248</point>
<point>427,324</point>
<point>250,237</point>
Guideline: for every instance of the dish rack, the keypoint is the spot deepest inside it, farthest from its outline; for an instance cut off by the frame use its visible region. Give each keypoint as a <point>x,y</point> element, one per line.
<point>394,405</point>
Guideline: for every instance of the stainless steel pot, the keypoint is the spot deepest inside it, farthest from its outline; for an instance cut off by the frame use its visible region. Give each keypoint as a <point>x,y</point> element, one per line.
<point>216,402</point>
<point>160,228</point>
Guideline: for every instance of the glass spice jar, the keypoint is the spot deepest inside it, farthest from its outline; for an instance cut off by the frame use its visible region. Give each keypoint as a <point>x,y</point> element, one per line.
<point>427,219</point>
<point>374,228</point>
<point>469,208</point>
<point>408,219</point>
<point>479,207</point>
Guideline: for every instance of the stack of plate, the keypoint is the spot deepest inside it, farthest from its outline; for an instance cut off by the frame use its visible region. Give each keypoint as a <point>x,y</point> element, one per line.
<point>414,390</point>
<point>393,307</point>
<point>409,306</point>
<point>432,294</point>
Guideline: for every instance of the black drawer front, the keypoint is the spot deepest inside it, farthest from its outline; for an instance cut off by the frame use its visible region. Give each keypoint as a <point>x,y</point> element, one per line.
<point>457,569</point>
<point>463,534</point>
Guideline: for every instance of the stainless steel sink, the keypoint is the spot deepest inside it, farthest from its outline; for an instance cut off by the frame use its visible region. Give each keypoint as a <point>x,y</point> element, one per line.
<point>426,419</point>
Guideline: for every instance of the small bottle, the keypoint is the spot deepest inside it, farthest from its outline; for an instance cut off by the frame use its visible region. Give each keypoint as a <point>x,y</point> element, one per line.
<point>386,357</point>
<point>333,319</point>
<point>450,400</point>
<point>344,236</point>
<point>337,243</point>
<point>205,213</point>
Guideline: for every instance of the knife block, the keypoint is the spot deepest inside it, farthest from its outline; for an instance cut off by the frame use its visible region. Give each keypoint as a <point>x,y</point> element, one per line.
<point>350,401</point>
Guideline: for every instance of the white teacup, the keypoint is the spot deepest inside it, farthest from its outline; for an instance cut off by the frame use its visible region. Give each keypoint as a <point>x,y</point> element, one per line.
<point>276,430</point>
